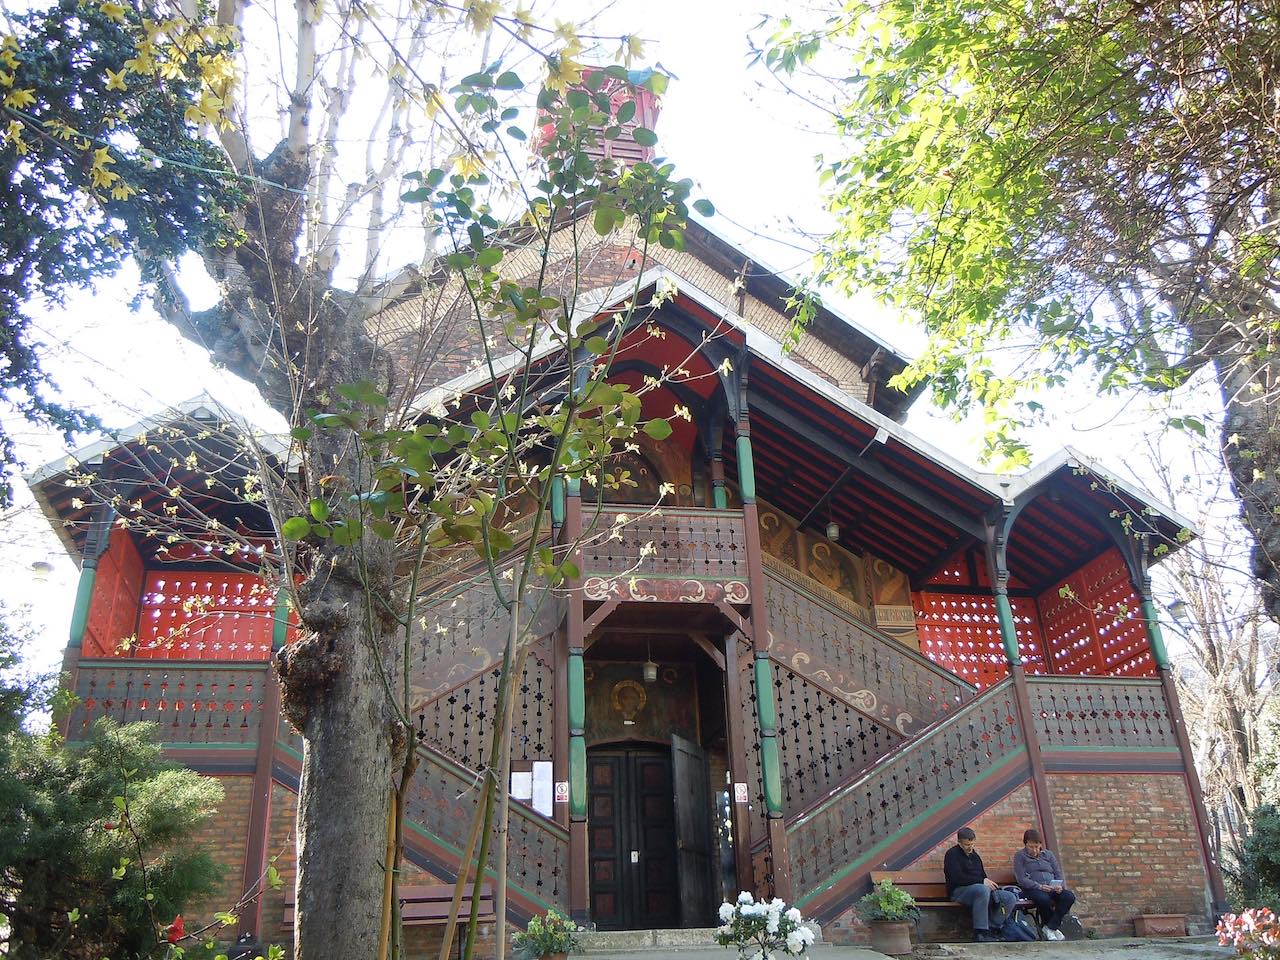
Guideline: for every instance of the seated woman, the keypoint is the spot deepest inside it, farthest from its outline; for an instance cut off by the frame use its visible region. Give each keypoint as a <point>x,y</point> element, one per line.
<point>1040,876</point>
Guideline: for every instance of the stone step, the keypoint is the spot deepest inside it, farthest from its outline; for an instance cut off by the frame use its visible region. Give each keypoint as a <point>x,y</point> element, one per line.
<point>633,941</point>
<point>657,941</point>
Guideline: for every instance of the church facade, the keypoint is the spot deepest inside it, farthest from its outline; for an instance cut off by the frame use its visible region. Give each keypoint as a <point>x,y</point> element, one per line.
<point>843,646</point>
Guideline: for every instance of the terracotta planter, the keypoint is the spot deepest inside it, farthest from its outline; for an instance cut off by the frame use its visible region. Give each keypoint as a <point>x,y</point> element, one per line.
<point>891,937</point>
<point>1160,925</point>
<point>554,956</point>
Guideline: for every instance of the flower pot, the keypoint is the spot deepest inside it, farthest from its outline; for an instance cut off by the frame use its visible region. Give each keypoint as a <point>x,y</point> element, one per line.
<point>1160,925</point>
<point>555,956</point>
<point>891,937</point>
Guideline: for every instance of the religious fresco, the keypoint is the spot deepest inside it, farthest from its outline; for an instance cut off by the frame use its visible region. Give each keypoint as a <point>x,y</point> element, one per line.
<point>621,706</point>
<point>891,596</point>
<point>872,589</point>
<point>778,536</point>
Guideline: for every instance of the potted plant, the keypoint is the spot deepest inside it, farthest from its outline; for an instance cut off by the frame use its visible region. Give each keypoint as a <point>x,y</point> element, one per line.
<point>764,929</point>
<point>889,911</point>
<point>551,937</point>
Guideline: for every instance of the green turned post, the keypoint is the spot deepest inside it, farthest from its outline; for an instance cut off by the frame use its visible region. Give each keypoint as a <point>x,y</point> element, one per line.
<point>557,501</point>
<point>577,776</point>
<point>746,469</point>
<point>764,696</point>
<point>719,495</point>
<point>577,695</point>
<point>1008,630</point>
<point>766,713</point>
<point>84,599</point>
<point>1159,653</point>
<point>577,742</point>
<point>280,620</point>
<point>575,487</point>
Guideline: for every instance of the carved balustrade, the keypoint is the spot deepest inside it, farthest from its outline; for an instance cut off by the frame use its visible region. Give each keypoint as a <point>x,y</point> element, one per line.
<point>874,673</point>
<point>943,762</point>
<point>1121,714</point>
<point>442,800</point>
<point>192,702</point>
<point>671,554</point>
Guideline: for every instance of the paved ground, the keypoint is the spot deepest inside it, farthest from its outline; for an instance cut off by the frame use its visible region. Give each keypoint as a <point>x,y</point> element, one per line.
<point>1120,948</point>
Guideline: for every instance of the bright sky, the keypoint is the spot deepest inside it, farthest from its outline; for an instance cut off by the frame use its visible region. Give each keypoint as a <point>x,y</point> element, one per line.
<point>746,150</point>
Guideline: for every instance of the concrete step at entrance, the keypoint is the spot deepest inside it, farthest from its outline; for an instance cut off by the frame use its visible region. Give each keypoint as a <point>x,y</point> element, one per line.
<point>654,942</point>
<point>609,942</point>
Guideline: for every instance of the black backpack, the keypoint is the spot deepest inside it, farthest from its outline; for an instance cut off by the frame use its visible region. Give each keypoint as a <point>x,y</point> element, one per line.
<point>1017,930</point>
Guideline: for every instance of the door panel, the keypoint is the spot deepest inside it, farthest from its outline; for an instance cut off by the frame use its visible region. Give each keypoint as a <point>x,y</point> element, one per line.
<point>695,864</point>
<point>631,839</point>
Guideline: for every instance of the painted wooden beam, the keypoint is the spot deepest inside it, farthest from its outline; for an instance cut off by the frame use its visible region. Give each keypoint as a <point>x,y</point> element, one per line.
<point>917,494</point>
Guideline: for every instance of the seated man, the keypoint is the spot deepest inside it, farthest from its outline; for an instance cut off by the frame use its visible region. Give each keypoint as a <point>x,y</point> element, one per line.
<point>1040,876</point>
<point>968,883</point>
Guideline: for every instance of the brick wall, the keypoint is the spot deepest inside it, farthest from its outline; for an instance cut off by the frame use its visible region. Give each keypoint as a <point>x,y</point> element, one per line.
<point>223,836</point>
<point>1129,846</point>
<point>999,829</point>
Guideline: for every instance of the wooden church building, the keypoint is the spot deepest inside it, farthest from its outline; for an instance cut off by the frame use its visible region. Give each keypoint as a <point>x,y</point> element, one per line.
<point>846,646</point>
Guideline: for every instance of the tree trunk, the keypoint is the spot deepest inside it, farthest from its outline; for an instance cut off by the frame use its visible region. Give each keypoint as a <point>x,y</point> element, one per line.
<point>333,693</point>
<point>1251,449</point>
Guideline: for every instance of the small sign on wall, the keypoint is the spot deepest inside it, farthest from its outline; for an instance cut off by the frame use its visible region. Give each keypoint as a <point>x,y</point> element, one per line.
<point>562,791</point>
<point>740,794</point>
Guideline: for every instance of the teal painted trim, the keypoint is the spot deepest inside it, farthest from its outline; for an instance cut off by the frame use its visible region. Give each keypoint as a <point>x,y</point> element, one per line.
<point>870,855</point>
<point>1158,651</point>
<point>746,470</point>
<point>575,487</point>
<point>765,709</point>
<point>1168,751</point>
<point>720,496</point>
<point>577,776</point>
<point>577,694</point>
<point>489,871</point>
<point>771,767</point>
<point>280,627</point>
<point>80,611</point>
<point>557,501</point>
<point>181,745</point>
<point>1008,631</point>
<point>285,748</point>
<point>1087,681</point>
<point>238,665</point>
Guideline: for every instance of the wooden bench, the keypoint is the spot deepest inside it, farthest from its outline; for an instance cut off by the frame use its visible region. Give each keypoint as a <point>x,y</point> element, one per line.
<point>425,906</point>
<point>929,889</point>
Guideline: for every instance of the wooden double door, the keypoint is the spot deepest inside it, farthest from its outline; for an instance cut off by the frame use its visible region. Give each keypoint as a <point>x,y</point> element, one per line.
<point>649,837</point>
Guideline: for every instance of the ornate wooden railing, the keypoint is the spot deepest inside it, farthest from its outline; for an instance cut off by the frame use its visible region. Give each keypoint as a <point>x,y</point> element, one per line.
<point>193,702</point>
<point>1123,714</point>
<point>943,762</point>
<point>442,800</point>
<point>822,741</point>
<point>665,554</point>
<point>872,672</point>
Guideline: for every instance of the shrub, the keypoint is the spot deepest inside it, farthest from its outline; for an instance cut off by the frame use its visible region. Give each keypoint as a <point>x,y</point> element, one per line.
<point>93,860</point>
<point>554,933</point>
<point>888,902</point>
<point>1255,934</point>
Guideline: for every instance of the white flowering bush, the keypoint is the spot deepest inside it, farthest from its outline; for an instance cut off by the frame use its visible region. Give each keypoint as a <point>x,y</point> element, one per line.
<point>762,930</point>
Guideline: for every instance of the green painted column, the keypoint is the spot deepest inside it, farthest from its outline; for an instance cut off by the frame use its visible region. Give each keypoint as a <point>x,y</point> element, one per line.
<point>280,620</point>
<point>577,742</point>
<point>1008,629</point>
<point>1159,653</point>
<point>84,599</point>
<point>557,501</point>
<point>767,715</point>
<point>746,469</point>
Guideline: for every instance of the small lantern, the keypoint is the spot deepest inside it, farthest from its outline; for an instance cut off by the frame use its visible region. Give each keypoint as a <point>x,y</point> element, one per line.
<point>650,669</point>
<point>833,530</point>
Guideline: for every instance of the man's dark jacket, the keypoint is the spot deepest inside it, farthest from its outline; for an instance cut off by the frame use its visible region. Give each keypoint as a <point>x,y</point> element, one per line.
<point>962,869</point>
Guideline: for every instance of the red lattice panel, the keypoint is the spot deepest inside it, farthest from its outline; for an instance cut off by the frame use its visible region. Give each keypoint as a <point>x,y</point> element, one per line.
<point>113,613</point>
<point>961,632</point>
<point>1100,630</point>
<point>190,615</point>
<point>1122,629</point>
